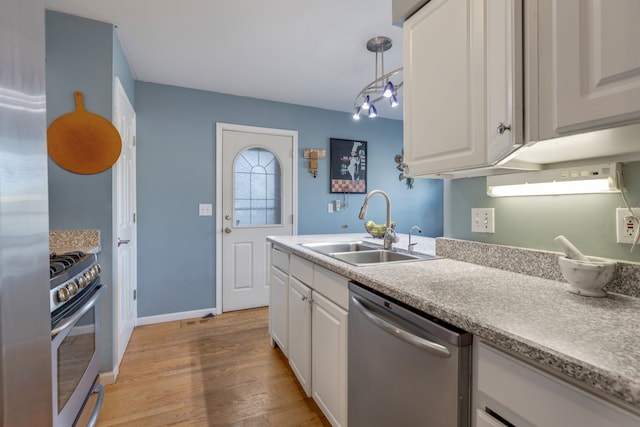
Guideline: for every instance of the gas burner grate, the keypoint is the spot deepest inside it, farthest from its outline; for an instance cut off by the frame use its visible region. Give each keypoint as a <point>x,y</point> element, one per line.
<point>58,263</point>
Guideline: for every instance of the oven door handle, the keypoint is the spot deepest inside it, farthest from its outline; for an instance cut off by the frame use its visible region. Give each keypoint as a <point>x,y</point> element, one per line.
<point>67,321</point>
<point>98,388</point>
<point>406,336</point>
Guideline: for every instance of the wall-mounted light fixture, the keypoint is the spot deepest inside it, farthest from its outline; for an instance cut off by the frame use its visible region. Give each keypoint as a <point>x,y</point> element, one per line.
<point>602,178</point>
<point>313,155</point>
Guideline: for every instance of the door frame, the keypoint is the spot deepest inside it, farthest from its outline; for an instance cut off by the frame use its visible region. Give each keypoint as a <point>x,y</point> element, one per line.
<point>220,127</point>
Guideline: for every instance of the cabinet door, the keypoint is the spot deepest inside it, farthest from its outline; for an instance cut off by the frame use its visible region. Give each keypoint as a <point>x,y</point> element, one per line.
<point>329,371</point>
<point>300,332</point>
<point>589,65</point>
<point>278,308</point>
<point>462,77</point>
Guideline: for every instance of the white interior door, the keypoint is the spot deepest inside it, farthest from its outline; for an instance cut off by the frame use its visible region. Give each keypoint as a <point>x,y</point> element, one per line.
<point>257,199</point>
<point>125,245</point>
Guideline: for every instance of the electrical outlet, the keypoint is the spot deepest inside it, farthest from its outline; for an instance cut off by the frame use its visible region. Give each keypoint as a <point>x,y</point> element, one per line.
<point>330,207</point>
<point>626,226</point>
<point>482,220</point>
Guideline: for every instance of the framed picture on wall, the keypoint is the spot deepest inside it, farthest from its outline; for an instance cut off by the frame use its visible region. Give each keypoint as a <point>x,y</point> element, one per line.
<point>348,166</point>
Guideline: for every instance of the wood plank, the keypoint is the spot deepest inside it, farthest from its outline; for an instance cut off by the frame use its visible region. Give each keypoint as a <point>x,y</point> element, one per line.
<point>219,371</point>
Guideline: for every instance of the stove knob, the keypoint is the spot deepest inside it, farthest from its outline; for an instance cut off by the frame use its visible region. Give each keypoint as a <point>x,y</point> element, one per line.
<point>88,276</point>
<point>72,288</point>
<point>63,294</point>
<point>82,282</point>
<point>98,268</point>
<point>95,270</point>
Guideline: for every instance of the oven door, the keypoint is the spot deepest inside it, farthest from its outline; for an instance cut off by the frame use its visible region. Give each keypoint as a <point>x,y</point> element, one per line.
<point>75,361</point>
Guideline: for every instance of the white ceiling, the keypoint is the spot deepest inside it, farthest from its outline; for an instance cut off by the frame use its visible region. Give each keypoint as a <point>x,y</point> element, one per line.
<point>297,51</point>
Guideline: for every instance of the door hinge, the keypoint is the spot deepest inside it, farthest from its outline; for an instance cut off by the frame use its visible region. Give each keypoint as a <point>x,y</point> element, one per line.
<point>135,294</point>
<point>133,140</point>
<point>291,218</point>
<point>134,217</point>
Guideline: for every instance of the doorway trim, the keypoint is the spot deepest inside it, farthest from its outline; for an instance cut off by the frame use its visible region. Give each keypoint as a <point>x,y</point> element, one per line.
<point>220,127</point>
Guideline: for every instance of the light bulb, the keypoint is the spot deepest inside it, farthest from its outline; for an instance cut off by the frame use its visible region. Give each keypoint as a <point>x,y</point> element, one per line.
<point>367,103</point>
<point>356,115</point>
<point>393,101</point>
<point>389,91</point>
<point>372,111</point>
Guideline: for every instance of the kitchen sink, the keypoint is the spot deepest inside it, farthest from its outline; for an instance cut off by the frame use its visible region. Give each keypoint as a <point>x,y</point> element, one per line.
<point>362,253</point>
<point>330,248</point>
<point>378,256</point>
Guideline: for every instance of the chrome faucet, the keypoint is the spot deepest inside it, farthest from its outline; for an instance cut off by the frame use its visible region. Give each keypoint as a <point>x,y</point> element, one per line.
<point>389,235</point>
<point>411,245</point>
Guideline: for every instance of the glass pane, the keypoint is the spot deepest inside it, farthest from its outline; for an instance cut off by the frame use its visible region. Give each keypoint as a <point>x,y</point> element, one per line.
<point>257,188</point>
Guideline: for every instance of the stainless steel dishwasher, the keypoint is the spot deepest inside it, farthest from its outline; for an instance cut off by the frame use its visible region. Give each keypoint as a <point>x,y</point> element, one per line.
<point>404,368</point>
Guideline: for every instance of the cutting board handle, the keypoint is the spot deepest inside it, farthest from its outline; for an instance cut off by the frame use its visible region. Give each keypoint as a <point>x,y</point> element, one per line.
<point>79,101</point>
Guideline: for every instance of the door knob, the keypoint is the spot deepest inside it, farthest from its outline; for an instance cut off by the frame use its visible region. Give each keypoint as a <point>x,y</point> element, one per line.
<point>227,230</point>
<point>123,242</point>
<point>502,128</point>
<point>227,217</point>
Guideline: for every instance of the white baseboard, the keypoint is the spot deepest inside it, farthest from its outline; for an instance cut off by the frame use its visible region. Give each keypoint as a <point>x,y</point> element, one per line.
<point>106,378</point>
<point>160,318</point>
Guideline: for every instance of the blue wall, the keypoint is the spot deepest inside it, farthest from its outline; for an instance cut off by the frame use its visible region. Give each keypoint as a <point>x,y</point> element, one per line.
<point>176,172</point>
<point>84,55</point>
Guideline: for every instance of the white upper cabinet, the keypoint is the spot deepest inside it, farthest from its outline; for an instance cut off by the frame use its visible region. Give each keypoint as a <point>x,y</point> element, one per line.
<point>589,65</point>
<point>462,84</point>
<point>485,77</point>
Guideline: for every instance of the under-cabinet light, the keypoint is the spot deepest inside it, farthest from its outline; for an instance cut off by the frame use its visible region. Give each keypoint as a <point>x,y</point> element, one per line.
<point>601,178</point>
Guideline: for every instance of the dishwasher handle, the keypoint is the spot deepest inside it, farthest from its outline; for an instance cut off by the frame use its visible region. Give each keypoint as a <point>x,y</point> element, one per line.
<point>406,336</point>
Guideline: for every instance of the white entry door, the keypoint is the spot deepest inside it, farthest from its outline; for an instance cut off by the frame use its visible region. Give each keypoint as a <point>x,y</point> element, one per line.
<point>125,245</point>
<point>256,198</point>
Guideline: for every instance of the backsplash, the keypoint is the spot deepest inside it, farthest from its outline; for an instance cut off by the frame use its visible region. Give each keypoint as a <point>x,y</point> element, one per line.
<point>531,262</point>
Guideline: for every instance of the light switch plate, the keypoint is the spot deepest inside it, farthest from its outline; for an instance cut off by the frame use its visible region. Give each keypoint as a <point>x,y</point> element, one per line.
<point>205,209</point>
<point>482,220</point>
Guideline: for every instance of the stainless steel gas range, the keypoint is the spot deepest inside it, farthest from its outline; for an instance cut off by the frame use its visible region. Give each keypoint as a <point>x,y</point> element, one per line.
<point>75,292</point>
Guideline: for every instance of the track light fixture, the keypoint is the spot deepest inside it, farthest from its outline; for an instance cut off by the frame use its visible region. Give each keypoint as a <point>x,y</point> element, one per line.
<point>382,86</point>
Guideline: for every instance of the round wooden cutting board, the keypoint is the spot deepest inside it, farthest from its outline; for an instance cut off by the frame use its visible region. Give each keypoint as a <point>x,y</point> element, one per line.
<point>83,142</point>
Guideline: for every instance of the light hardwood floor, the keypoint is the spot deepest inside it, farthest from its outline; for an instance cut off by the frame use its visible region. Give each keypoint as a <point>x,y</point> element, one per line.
<point>219,371</point>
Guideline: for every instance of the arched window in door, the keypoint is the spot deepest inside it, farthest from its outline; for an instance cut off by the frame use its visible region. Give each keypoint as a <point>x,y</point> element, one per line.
<point>257,189</point>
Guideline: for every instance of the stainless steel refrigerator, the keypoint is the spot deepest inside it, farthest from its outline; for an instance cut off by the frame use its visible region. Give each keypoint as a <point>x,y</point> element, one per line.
<point>25,329</point>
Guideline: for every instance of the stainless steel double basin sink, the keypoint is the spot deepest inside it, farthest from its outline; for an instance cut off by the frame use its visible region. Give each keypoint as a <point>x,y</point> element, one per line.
<point>363,253</point>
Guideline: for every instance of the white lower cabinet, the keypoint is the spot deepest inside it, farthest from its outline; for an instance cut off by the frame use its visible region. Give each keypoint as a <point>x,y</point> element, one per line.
<point>511,392</point>
<point>329,359</point>
<point>278,299</point>
<point>300,332</point>
<point>316,314</point>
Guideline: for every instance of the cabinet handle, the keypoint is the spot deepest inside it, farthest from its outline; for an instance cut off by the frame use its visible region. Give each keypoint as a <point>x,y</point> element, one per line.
<point>304,298</point>
<point>502,128</point>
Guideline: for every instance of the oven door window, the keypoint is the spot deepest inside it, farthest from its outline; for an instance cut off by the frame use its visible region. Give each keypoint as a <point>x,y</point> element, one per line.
<point>74,355</point>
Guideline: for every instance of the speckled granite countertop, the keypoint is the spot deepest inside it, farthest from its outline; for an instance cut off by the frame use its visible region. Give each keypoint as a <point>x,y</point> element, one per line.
<point>594,341</point>
<point>87,241</point>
